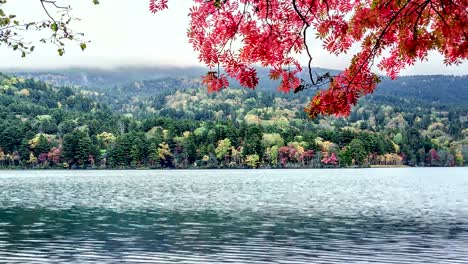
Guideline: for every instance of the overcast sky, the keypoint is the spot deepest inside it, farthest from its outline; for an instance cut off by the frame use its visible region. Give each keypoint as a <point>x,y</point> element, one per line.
<point>126,33</point>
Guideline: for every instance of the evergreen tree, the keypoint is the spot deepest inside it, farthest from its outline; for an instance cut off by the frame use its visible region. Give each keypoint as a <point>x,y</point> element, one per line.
<point>354,153</point>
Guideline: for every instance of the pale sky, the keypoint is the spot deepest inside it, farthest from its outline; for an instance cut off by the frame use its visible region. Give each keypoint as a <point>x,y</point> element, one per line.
<point>126,33</point>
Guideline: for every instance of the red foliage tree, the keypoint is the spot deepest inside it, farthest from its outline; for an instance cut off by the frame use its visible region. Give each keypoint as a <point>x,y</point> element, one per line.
<point>433,157</point>
<point>433,154</point>
<point>308,155</point>
<point>283,155</point>
<point>329,160</point>
<point>270,32</point>
<point>43,158</point>
<point>54,155</point>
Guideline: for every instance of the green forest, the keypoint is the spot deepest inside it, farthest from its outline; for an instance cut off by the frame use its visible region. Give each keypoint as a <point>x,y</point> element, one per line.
<point>173,122</point>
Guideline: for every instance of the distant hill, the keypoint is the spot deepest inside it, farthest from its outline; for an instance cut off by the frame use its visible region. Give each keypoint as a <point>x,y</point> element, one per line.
<point>440,89</point>
<point>433,89</point>
<point>90,77</point>
<point>93,77</point>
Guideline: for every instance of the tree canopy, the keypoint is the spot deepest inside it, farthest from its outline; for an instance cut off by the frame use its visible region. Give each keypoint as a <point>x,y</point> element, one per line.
<point>393,34</point>
<point>236,35</point>
<point>164,123</point>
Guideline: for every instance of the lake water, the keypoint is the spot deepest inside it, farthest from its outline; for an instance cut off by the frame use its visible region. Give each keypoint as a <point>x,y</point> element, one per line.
<point>235,216</point>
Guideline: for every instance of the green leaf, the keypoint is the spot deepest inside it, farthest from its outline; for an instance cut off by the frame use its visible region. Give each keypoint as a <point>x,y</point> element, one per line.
<point>23,54</point>
<point>54,27</point>
<point>83,46</point>
<point>96,2</point>
<point>60,52</point>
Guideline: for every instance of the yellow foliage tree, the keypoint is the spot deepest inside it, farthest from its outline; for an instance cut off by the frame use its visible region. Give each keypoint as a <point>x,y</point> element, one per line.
<point>252,160</point>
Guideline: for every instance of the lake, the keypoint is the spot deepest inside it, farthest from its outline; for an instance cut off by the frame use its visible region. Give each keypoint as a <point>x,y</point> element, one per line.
<point>404,215</point>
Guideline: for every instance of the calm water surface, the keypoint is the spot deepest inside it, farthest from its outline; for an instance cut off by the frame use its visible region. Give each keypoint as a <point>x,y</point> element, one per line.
<point>280,216</point>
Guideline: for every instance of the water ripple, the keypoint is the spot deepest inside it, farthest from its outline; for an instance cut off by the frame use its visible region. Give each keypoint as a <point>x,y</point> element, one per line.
<point>297,216</point>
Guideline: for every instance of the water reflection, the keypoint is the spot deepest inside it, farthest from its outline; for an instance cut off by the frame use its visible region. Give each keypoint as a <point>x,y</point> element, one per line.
<point>235,223</point>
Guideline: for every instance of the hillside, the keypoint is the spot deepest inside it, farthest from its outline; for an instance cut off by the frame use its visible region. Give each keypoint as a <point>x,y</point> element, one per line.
<point>94,77</point>
<point>433,89</point>
<point>442,89</point>
<point>31,108</point>
<point>173,122</point>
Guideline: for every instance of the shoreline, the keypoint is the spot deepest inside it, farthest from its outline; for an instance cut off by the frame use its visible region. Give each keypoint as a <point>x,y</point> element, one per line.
<point>227,169</point>
<point>401,166</point>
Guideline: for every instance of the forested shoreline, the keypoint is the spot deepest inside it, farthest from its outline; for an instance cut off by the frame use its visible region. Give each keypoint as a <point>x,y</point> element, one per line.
<point>173,124</point>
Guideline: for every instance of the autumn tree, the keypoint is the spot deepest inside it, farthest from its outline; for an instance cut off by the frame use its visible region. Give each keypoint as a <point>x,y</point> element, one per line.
<point>329,159</point>
<point>165,155</point>
<point>252,161</point>
<point>223,148</point>
<point>2,156</point>
<point>235,35</point>
<point>54,155</point>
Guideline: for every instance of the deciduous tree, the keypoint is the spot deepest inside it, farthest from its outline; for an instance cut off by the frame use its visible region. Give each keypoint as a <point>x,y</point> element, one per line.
<point>393,34</point>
